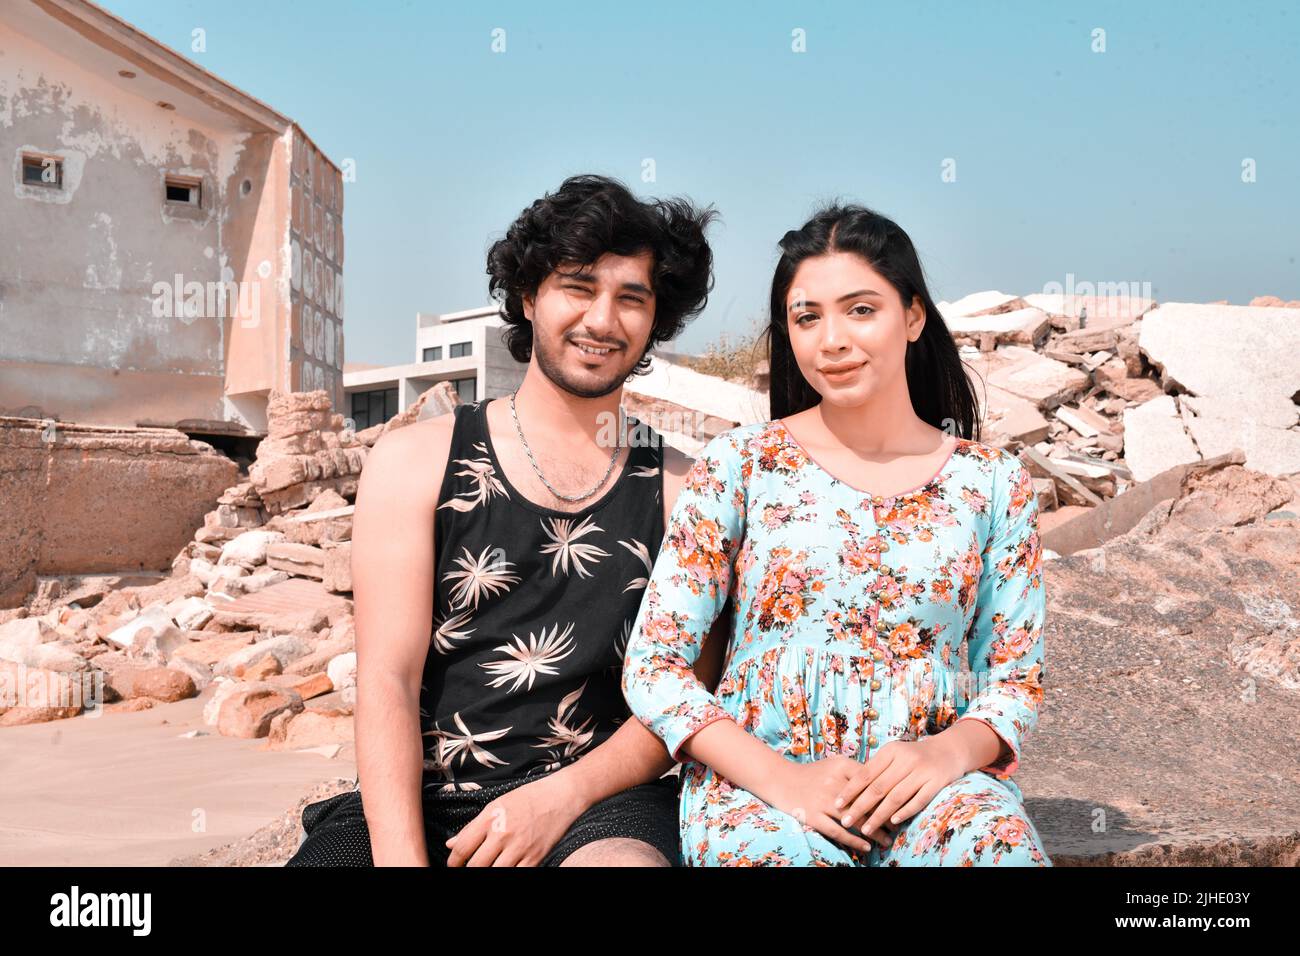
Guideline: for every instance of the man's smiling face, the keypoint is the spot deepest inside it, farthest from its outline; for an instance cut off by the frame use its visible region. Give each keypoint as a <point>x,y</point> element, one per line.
<point>592,324</point>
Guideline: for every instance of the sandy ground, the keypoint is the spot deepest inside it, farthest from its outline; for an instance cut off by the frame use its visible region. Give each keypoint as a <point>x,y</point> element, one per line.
<point>125,789</point>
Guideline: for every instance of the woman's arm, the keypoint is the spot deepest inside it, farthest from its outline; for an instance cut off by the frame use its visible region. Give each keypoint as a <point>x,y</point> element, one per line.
<point>689,585</point>
<point>1005,643</point>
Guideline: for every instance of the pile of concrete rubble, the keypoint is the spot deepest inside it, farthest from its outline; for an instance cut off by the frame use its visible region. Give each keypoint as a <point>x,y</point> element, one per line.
<point>1099,393</point>
<point>258,603</point>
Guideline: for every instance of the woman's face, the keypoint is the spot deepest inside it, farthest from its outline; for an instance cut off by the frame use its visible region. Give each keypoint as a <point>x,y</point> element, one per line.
<point>842,315</point>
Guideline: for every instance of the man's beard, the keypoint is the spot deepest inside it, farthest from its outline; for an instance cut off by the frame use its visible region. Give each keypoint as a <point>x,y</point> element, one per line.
<point>554,370</point>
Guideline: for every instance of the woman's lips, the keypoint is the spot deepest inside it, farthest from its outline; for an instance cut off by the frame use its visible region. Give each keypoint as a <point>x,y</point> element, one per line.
<point>846,373</point>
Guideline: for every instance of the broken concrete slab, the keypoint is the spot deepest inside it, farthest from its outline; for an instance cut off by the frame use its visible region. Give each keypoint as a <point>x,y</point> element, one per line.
<point>1021,326</point>
<point>1238,353</point>
<point>287,606</point>
<point>1218,425</point>
<point>1095,526</point>
<point>1155,438</point>
<point>1107,310</point>
<point>304,560</point>
<point>1043,381</point>
<point>980,303</point>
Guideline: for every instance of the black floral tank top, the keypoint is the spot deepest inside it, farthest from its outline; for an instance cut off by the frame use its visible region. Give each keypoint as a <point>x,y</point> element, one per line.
<point>532,609</point>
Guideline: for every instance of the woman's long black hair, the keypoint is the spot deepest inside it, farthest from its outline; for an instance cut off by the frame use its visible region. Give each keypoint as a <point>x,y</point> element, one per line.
<point>936,378</point>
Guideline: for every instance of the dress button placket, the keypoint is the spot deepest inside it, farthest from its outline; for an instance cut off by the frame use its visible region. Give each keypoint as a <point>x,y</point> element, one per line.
<point>876,654</point>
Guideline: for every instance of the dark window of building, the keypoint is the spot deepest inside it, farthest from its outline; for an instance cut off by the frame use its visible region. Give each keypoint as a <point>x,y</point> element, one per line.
<point>459,349</point>
<point>373,408</point>
<point>42,171</point>
<point>466,388</point>
<point>433,354</point>
<point>188,192</point>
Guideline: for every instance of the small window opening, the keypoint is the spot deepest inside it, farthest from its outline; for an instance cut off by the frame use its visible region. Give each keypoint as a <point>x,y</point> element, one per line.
<point>187,192</point>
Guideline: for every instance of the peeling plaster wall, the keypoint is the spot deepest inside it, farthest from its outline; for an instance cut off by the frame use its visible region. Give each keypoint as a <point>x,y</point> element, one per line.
<point>80,334</point>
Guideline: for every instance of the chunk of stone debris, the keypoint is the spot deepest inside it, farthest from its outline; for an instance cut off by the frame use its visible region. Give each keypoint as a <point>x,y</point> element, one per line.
<point>249,549</point>
<point>1043,381</point>
<point>26,632</point>
<point>150,620</point>
<point>342,670</point>
<point>310,728</point>
<point>307,686</point>
<point>255,582</point>
<point>318,660</point>
<point>286,648</point>
<point>199,673</point>
<point>30,695</point>
<point>1155,438</point>
<point>211,650</point>
<point>303,560</point>
<point>337,570</point>
<point>190,613</point>
<point>1021,326</point>
<point>157,683</point>
<point>248,710</point>
<point>156,646</point>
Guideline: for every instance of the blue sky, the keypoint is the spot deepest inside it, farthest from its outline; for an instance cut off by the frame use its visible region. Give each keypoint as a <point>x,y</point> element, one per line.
<point>1120,166</point>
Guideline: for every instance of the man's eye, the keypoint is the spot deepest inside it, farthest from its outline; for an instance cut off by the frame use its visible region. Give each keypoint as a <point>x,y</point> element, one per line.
<point>636,300</point>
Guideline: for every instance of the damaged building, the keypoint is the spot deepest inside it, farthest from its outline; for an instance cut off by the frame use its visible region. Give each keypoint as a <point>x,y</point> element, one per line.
<point>172,247</point>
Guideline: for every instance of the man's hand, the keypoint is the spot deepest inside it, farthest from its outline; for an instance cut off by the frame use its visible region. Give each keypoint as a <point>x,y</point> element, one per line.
<point>898,782</point>
<point>520,827</point>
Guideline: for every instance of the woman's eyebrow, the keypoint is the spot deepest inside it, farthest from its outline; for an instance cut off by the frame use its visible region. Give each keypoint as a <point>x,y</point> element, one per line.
<point>800,303</point>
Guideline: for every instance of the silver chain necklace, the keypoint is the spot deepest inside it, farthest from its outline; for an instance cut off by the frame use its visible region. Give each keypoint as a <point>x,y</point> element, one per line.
<point>549,486</point>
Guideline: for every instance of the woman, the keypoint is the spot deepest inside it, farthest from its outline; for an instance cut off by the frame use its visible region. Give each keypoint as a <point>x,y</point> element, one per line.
<point>861,534</point>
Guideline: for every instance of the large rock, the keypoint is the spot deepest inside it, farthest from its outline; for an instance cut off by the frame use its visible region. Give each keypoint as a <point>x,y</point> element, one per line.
<point>295,604</point>
<point>1239,365</point>
<point>1172,677</point>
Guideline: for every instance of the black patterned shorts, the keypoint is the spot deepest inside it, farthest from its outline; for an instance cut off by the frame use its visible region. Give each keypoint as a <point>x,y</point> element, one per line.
<point>337,834</point>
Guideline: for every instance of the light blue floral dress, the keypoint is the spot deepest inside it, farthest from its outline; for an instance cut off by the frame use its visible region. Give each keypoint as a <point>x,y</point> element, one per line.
<point>849,611</point>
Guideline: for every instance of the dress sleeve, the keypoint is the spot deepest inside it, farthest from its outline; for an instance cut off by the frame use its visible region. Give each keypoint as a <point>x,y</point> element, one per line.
<point>1006,634</point>
<point>689,585</point>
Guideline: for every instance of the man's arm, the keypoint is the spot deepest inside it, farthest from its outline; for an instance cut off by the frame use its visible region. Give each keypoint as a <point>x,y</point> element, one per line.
<point>633,754</point>
<point>392,582</point>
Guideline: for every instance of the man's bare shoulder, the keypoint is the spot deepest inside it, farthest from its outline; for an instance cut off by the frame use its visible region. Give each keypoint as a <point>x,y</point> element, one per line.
<point>412,459</point>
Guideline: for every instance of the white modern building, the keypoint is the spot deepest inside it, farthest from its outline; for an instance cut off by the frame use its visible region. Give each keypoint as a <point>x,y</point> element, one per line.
<point>464,348</point>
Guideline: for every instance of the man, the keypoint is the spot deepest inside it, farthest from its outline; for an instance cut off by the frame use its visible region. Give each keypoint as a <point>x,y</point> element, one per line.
<point>521,531</point>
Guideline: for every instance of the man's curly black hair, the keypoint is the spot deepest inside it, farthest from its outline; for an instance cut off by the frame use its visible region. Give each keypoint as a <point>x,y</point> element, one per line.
<point>585,218</point>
